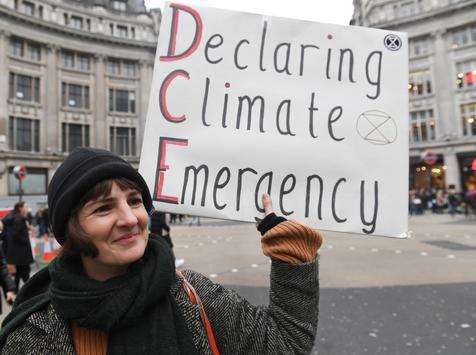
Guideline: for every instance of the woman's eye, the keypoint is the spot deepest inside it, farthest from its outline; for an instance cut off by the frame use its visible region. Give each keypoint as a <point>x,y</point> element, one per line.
<point>135,201</point>
<point>101,209</point>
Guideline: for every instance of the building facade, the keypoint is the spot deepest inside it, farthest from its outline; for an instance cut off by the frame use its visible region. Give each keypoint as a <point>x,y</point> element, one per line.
<point>72,73</point>
<point>442,85</point>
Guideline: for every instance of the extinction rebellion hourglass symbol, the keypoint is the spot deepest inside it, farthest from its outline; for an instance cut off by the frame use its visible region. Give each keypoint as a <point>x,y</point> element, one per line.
<point>377,127</point>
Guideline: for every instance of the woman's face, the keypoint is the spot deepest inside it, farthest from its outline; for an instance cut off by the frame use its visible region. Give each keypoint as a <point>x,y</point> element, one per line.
<point>117,226</point>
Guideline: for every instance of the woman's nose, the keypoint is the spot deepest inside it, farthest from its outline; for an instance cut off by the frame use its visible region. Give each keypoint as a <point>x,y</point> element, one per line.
<point>127,216</point>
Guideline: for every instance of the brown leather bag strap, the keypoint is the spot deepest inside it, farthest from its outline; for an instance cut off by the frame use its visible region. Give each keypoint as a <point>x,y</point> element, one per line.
<point>190,290</point>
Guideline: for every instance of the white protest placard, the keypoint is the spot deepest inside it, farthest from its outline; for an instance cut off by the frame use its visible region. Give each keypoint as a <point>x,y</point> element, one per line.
<point>315,114</point>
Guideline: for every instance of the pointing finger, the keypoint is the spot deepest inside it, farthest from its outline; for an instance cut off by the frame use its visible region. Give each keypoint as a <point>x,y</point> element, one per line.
<point>267,204</point>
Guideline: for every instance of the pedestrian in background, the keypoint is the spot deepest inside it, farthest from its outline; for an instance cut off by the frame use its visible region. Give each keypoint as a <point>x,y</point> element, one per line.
<point>19,253</point>
<point>159,226</point>
<point>40,222</point>
<point>194,220</point>
<point>114,289</point>
<point>6,280</point>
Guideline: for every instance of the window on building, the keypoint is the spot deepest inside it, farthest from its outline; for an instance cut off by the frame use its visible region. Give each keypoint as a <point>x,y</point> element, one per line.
<point>122,31</point>
<point>406,9</point>
<point>119,5</point>
<point>75,60</point>
<point>129,68</point>
<point>34,184</point>
<point>419,83</point>
<point>16,47</point>
<point>22,48</point>
<point>466,74</point>
<point>73,95</point>
<point>24,87</point>
<point>123,140</point>
<point>88,24</point>
<point>133,32</point>
<point>34,51</point>
<point>76,22</point>
<point>24,134</point>
<point>122,101</point>
<point>419,46</point>
<point>74,135</point>
<point>111,29</point>
<point>114,66</point>
<point>82,62</point>
<point>422,126</point>
<point>472,29</point>
<point>28,8</point>
<point>40,11</point>
<point>66,19</point>
<point>463,36</point>
<point>468,118</point>
<point>67,58</point>
<point>121,67</point>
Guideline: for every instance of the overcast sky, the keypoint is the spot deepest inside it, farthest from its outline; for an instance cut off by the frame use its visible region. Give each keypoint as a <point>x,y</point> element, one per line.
<point>333,11</point>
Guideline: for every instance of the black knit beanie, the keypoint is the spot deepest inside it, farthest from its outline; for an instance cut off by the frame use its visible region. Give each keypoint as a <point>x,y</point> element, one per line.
<point>80,171</point>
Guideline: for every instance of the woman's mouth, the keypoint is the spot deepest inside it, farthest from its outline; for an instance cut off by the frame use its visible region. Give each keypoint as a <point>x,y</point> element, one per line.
<point>126,238</point>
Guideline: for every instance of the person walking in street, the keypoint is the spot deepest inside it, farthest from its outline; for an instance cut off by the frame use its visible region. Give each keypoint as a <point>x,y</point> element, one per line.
<point>159,226</point>
<point>19,253</point>
<point>114,288</point>
<point>40,222</point>
<point>195,220</point>
<point>6,281</point>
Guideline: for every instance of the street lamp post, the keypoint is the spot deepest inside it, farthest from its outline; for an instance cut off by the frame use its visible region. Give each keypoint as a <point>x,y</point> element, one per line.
<point>20,173</point>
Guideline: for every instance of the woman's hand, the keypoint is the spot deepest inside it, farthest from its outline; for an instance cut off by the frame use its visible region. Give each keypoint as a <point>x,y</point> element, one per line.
<point>12,269</point>
<point>10,297</point>
<point>267,204</point>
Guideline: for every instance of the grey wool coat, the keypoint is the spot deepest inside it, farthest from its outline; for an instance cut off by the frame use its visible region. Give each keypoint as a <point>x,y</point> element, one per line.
<point>287,325</point>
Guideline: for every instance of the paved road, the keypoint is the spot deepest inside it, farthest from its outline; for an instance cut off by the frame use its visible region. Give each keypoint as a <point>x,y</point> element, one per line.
<point>378,295</point>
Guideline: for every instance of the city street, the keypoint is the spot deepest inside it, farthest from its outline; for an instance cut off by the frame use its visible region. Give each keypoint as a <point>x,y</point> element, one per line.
<point>378,295</point>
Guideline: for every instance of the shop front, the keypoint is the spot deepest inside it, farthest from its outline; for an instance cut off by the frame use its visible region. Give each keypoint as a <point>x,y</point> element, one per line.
<point>467,163</point>
<point>427,174</point>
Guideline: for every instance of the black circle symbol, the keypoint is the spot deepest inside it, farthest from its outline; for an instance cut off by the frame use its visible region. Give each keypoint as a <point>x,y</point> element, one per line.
<point>392,42</point>
<point>377,127</point>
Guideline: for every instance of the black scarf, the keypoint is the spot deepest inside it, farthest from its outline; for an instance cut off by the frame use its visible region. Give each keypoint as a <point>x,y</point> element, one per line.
<point>136,309</point>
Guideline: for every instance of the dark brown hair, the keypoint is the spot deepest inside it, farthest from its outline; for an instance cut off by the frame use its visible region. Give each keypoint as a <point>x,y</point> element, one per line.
<point>18,206</point>
<point>77,241</point>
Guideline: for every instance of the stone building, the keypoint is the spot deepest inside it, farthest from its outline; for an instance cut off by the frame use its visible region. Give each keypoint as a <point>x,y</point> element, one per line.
<point>442,85</point>
<point>73,73</point>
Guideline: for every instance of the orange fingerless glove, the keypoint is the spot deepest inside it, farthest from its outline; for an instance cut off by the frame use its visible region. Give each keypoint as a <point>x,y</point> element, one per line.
<point>289,241</point>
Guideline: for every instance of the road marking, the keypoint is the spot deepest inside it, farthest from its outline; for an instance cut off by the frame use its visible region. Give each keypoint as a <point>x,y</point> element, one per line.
<point>234,270</point>
<point>351,248</point>
<point>374,250</point>
<point>212,276</point>
<point>423,253</point>
<point>451,256</point>
<point>254,265</point>
<point>464,325</point>
<point>398,251</point>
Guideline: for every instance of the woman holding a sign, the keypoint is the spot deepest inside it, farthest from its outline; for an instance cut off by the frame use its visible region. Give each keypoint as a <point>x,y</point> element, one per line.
<point>114,288</point>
